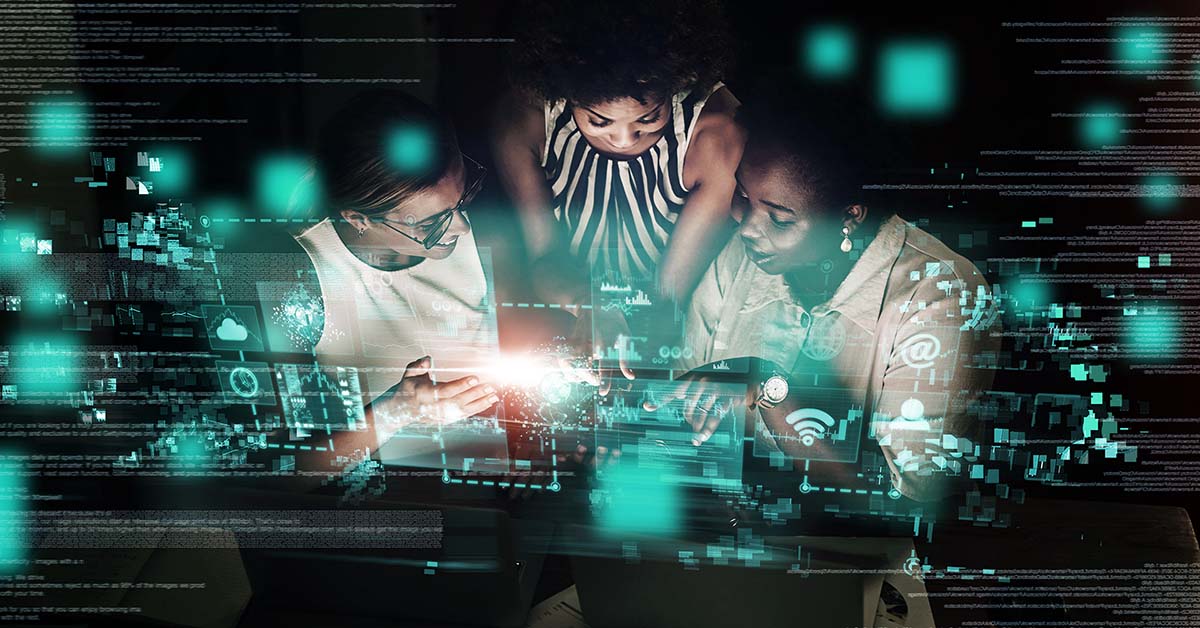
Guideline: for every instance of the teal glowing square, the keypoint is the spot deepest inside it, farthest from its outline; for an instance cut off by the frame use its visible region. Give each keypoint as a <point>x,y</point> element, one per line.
<point>1101,124</point>
<point>639,501</point>
<point>246,382</point>
<point>44,367</point>
<point>828,51</point>
<point>285,184</point>
<point>1143,261</point>
<point>1138,46</point>
<point>1079,372</point>
<point>916,78</point>
<point>171,170</point>
<point>1154,334</point>
<point>219,210</point>
<point>1161,191</point>
<point>59,126</point>
<point>411,149</point>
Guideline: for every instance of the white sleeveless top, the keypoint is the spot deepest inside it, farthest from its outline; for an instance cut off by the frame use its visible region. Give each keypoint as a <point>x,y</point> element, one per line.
<point>619,211</point>
<point>380,321</point>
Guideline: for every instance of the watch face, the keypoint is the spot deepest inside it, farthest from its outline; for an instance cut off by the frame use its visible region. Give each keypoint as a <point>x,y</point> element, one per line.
<point>775,389</point>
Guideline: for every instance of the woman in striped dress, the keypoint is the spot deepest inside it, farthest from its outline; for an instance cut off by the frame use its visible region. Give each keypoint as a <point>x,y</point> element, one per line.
<point>619,146</point>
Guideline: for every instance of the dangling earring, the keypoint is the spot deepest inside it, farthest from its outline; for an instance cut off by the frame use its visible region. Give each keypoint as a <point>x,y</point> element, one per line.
<point>846,243</point>
<point>361,231</point>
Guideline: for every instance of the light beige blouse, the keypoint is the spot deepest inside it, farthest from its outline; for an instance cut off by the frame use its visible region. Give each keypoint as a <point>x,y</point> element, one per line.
<point>905,344</point>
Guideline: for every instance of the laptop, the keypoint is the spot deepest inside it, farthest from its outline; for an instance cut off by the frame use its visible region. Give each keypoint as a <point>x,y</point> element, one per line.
<point>616,593</point>
<point>483,574</point>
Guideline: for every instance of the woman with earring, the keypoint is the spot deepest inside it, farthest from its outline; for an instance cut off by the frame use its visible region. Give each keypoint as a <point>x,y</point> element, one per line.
<point>859,321</point>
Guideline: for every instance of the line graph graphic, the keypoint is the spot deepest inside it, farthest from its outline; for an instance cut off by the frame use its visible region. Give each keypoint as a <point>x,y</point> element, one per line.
<point>317,397</point>
<point>233,327</point>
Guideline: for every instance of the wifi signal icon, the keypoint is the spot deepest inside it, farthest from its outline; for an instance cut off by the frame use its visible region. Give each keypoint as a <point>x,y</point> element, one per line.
<point>810,424</point>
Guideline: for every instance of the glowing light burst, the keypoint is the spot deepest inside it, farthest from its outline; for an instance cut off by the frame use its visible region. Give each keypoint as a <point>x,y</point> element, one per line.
<point>538,394</point>
<point>302,317</point>
<point>555,388</point>
<point>521,370</point>
<point>541,394</point>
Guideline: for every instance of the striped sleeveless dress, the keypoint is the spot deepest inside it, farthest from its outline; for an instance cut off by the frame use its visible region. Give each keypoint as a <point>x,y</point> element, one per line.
<point>619,212</point>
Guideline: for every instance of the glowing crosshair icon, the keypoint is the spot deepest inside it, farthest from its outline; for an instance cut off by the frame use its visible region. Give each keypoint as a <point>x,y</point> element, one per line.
<point>244,382</point>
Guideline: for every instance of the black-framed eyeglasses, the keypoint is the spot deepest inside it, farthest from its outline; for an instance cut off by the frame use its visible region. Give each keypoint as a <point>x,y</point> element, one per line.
<point>441,222</point>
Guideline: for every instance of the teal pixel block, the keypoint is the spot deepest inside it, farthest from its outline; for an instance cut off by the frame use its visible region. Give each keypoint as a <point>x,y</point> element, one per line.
<point>916,78</point>
<point>828,51</point>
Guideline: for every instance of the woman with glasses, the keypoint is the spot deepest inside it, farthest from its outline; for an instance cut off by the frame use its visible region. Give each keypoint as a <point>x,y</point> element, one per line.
<point>401,281</point>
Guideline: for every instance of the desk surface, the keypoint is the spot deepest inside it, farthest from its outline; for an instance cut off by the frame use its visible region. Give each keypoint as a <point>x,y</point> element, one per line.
<point>1064,538</point>
<point>1046,533</point>
<point>1055,533</point>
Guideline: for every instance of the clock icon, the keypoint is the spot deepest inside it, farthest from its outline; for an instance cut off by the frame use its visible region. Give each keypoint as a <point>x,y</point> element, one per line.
<point>243,382</point>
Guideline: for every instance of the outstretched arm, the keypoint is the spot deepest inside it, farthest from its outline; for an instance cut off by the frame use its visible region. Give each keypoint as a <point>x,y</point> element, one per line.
<point>705,223</point>
<point>415,399</point>
<point>518,136</point>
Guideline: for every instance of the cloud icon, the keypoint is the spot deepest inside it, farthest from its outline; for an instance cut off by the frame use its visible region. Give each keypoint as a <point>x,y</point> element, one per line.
<point>231,331</point>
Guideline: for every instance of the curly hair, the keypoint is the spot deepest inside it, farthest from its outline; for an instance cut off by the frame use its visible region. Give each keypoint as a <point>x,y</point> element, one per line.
<point>830,144</point>
<point>595,52</point>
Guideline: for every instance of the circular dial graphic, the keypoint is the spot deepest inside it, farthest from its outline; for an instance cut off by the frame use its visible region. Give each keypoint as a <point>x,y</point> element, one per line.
<point>243,382</point>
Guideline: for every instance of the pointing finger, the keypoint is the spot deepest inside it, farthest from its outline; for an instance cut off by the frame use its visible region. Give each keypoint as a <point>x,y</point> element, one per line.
<point>710,428</point>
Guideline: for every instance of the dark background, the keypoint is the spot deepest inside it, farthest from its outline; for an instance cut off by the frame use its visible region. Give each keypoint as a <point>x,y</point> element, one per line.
<point>1000,104</point>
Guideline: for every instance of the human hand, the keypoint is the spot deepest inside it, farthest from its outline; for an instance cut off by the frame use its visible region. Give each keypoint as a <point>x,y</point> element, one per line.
<point>594,334</point>
<point>611,331</point>
<point>706,402</point>
<point>575,357</point>
<point>416,398</point>
<point>603,458</point>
